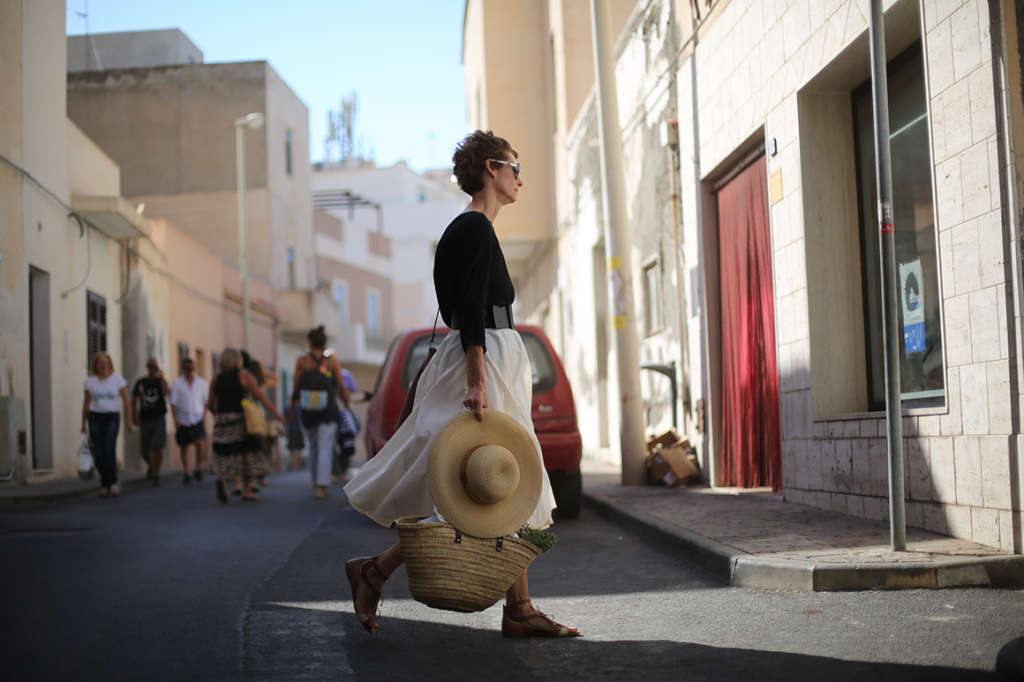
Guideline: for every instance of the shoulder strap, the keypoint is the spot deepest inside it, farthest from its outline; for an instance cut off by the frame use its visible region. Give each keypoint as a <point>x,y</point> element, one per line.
<point>433,332</point>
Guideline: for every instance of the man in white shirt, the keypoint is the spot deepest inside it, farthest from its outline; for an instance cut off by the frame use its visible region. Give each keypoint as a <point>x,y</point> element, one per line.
<point>188,398</point>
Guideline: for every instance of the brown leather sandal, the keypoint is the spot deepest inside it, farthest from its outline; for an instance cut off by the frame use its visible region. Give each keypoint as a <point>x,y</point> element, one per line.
<point>360,571</point>
<point>535,624</point>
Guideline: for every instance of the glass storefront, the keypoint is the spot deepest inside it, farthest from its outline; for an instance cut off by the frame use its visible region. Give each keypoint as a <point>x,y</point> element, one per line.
<point>915,236</point>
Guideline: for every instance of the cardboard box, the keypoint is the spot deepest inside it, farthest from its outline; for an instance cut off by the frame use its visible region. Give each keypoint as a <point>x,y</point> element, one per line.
<point>682,461</point>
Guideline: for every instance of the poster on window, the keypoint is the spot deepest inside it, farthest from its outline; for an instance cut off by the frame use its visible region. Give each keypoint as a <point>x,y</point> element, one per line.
<point>912,298</point>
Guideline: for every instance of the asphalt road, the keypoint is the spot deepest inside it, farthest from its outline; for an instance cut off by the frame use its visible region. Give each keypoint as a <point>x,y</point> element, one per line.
<point>168,584</point>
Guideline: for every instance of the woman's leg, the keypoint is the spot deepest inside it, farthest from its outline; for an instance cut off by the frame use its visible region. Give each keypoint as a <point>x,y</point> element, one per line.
<point>103,434</point>
<point>156,458</point>
<point>248,492</point>
<point>369,581</point>
<point>521,619</point>
<point>324,451</point>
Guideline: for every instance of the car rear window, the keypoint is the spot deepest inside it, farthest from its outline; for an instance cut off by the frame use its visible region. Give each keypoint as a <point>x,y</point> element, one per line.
<point>541,366</point>
<point>387,357</point>
<point>413,359</point>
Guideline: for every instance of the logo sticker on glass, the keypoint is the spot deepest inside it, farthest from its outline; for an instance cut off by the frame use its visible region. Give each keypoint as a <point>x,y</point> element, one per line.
<point>912,298</point>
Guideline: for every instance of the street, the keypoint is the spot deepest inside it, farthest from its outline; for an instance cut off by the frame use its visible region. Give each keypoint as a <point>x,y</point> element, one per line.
<point>167,584</point>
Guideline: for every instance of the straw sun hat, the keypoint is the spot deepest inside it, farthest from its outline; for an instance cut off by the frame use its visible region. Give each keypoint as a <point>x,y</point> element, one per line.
<point>484,476</point>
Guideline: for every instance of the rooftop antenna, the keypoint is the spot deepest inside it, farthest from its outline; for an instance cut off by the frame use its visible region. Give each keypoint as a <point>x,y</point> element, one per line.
<point>349,109</point>
<point>90,47</point>
<point>332,141</point>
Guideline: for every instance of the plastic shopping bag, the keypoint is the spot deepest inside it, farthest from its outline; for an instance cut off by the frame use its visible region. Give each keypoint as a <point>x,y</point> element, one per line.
<point>86,466</point>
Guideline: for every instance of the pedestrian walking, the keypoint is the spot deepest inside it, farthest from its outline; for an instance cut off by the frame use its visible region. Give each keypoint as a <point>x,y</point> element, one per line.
<point>236,454</point>
<point>318,385</point>
<point>348,429</point>
<point>189,395</point>
<point>474,294</point>
<point>149,407</point>
<point>296,443</point>
<point>105,392</point>
<point>266,381</point>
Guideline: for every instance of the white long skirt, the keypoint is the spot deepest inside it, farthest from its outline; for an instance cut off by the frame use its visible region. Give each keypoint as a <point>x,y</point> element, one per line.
<point>393,484</point>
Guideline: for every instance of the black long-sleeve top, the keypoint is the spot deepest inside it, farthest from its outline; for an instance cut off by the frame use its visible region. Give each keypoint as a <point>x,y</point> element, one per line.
<point>470,277</point>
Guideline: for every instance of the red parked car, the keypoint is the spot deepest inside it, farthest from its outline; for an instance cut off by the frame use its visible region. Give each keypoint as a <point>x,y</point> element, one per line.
<point>553,409</point>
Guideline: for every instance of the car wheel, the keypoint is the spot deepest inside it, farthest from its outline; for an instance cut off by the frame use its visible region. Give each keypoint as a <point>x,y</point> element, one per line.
<point>568,489</point>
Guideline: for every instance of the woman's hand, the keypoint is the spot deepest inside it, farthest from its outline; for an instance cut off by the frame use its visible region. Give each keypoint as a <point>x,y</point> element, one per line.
<point>476,386</point>
<point>476,400</point>
<point>83,427</point>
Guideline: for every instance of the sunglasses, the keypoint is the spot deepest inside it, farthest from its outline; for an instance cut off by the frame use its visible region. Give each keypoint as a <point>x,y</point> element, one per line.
<point>516,167</point>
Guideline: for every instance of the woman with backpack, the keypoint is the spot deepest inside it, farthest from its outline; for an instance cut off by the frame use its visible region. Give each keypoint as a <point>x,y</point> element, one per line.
<point>318,385</point>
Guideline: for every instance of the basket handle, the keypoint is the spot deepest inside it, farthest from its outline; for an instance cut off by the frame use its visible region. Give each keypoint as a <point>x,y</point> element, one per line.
<point>498,542</point>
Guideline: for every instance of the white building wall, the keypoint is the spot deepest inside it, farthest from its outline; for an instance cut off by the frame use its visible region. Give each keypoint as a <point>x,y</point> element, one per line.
<point>412,225</point>
<point>752,62</point>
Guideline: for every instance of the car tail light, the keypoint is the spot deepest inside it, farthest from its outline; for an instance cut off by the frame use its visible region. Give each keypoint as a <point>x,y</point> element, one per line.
<point>554,424</point>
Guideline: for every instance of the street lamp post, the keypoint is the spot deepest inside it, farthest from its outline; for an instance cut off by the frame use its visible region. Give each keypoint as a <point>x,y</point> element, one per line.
<point>254,121</point>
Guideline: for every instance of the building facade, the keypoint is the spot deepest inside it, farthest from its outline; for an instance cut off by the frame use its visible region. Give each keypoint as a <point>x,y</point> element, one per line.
<point>66,236</point>
<point>747,135</point>
<point>390,221</point>
<point>171,129</point>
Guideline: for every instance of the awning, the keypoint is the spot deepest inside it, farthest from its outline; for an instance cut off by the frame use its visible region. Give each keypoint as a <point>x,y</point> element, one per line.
<point>113,216</point>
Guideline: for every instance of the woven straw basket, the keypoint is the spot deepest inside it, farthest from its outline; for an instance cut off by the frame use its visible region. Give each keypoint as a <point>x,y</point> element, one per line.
<point>457,572</point>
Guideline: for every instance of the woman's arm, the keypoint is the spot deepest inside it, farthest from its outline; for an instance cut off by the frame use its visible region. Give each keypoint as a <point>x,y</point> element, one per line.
<point>136,404</point>
<point>85,408</point>
<point>249,383</point>
<point>211,400</point>
<point>126,401</point>
<point>476,388</point>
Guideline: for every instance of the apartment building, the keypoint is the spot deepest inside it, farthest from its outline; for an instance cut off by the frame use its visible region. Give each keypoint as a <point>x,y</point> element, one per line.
<point>171,128</point>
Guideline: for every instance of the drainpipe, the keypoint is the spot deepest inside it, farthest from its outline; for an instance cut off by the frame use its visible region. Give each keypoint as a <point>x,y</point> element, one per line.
<point>1009,200</point>
<point>620,268</point>
<point>705,407</point>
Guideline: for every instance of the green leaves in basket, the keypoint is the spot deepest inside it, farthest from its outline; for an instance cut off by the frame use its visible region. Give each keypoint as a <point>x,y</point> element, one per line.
<point>541,539</point>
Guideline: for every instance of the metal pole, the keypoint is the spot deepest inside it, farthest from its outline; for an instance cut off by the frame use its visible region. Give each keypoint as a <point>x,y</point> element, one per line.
<point>890,321</point>
<point>617,244</point>
<point>243,233</point>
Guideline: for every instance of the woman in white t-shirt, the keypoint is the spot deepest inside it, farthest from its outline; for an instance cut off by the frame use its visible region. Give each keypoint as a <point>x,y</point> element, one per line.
<point>101,411</point>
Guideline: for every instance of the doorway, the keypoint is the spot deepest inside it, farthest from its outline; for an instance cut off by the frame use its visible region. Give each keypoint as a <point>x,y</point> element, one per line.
<point>40,371</point>
<point>750,451</point>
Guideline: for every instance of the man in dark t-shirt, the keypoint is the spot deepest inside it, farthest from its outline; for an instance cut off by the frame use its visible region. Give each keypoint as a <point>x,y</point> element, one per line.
<point>150,409</point>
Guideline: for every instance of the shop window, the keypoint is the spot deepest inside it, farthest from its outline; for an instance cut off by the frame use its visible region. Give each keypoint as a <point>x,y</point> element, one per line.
<point>373,330</point>
<point>921,367</point>
<point>96,325</point>
<point>182,354</point>
<point>288,151</point>
<point>653,306</point>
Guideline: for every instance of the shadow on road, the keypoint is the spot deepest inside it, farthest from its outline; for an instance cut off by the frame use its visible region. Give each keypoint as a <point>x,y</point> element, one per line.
<point>417,650</point>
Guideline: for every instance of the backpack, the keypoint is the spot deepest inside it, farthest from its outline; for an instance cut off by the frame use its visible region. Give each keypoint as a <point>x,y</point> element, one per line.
<point>315,389</point>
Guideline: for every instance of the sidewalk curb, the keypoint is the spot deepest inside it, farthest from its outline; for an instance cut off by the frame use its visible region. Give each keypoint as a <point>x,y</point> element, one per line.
<point>737,568</point>
<point>715,558</point>
<point>33,498</point>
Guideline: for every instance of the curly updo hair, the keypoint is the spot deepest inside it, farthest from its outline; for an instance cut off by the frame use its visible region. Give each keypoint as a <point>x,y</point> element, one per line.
<point>317,337</point>
<point>470,158</point>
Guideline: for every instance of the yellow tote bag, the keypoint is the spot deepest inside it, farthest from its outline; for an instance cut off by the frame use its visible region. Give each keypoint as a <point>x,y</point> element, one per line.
<point>255,419</point>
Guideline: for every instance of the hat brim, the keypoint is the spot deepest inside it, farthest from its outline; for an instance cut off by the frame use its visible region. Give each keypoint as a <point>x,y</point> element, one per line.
<point>458,438</point>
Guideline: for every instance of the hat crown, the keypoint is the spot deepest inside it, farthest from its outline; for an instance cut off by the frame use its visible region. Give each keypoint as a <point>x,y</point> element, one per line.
<point>491,474</point>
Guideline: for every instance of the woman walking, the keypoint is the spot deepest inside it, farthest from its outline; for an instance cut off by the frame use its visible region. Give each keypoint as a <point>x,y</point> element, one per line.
<point>236,453</point>
<point>475,294</point>
<point>101,413</point>
<point>318,382</point>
